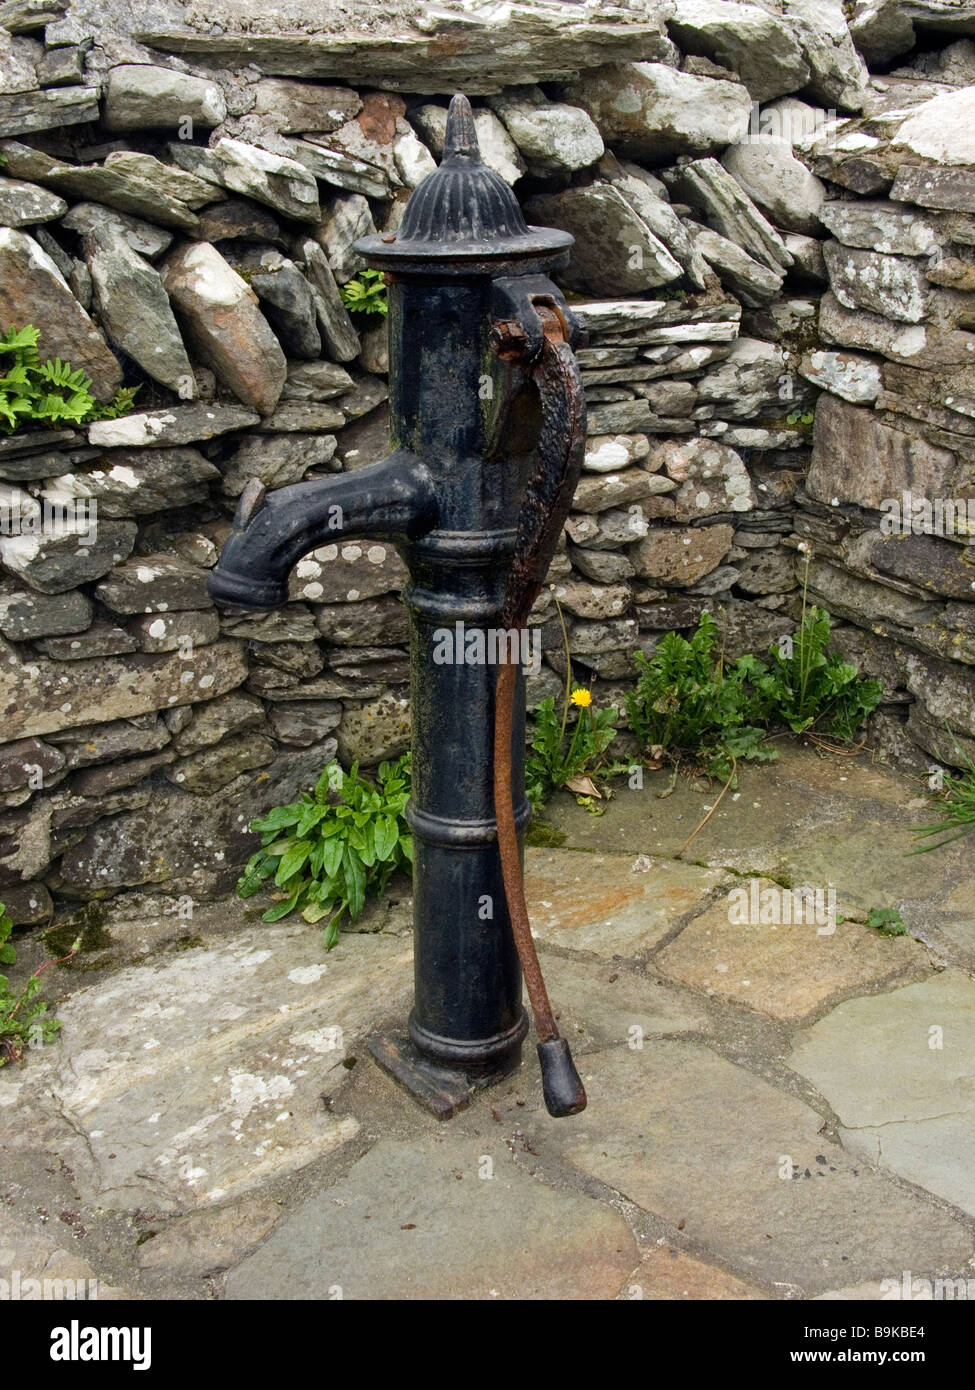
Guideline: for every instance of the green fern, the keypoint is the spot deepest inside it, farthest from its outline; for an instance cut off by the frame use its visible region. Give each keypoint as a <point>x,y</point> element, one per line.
<point>13,406</point>
<point>366,293</point>
<point>59,373</point>
<point>22,341</point>
<point>51,392</point>
<point>120,404</point>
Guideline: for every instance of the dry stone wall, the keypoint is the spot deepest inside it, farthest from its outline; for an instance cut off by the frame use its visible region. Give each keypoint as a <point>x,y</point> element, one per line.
<point>766,233</point>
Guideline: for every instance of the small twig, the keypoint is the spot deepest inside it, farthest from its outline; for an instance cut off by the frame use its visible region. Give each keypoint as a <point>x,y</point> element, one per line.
<point>831,748</point>
<point>62,960</point>
<point>731,778</point>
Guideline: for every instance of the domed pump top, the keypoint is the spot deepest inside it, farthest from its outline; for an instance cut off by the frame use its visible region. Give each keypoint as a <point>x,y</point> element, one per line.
<point>460,136</point>
<point>464,218</point>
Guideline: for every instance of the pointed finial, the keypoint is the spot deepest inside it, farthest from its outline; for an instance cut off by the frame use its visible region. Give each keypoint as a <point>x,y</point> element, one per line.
<point>461,135</point>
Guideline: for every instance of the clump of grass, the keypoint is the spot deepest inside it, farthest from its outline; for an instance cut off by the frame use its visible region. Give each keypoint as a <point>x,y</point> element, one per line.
<point>24,1018</point>
<point>958,799</point>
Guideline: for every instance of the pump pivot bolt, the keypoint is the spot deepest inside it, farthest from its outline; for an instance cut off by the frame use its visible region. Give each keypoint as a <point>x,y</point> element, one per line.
<point>509,339</point>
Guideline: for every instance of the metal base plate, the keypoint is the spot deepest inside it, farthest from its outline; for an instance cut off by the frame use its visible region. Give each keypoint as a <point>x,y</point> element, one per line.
<point>439,1089</point>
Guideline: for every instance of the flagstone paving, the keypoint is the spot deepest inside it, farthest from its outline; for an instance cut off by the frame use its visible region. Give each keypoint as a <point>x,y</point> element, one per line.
<point>695,1139</point>
<point>601,904</point>
<point>786,969</point>
<point>777,1109</point>
<point>670,1275</point>
<point>411,1216</point>
<point>899,1071</point>
<point>191,1079</point>
<point>805,819</point>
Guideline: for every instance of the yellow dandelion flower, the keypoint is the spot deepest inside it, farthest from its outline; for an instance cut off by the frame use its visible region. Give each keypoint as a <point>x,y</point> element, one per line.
<point>583,698</point>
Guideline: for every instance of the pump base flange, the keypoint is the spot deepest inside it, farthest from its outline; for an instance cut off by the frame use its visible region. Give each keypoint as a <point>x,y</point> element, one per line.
<point>441,1090</point>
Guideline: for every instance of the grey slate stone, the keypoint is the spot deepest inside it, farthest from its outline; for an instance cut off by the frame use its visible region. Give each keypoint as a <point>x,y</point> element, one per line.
<point>100,183</point>
<point>22,204</point>
<point>23,112</point>
<point>139,96</point>
<point>24,616</point>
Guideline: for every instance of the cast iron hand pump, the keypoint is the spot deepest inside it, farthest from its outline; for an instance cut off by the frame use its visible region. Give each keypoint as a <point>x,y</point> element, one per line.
<point>488,424</point>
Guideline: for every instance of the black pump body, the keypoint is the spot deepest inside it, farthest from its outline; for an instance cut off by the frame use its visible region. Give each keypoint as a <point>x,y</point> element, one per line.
<point>466,278</point>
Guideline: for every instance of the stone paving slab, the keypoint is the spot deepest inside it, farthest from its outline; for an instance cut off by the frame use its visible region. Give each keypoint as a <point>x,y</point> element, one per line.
<point>609,1004</point>
<point>803,819</point>
<point>210,1240</point>
<point>692,1138</point>
<point>191,1079</point>
<point>34,1265</point>
<point>870,865</point>
<point>424,1220</point>
<point>957,919</point>
<point>899,1070</point>
<point>600,903</point>
<point>856,1293</point>
<point>670,1275</point>
<point>784,969</point>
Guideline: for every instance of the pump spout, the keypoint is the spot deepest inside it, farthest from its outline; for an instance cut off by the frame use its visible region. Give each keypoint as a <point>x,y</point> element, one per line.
<point>393,500</point>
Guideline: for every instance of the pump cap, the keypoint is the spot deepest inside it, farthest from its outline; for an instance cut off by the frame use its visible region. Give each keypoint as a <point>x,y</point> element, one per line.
<point>463,211</point>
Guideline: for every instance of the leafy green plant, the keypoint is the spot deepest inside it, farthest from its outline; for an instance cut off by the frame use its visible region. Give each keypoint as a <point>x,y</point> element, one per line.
<point>887,921</point>
<point>120,404</point>
<point>800,419</point>
<point>50,392</point>
<point>365,293</point>
<point>24,1019</point>
<point>685,703</point>
<point>552,763</point>
<point>688,703</point>
<point>555,761</point>
<point>327,851</point>
<point>958,795</point>
<point>806,683</point>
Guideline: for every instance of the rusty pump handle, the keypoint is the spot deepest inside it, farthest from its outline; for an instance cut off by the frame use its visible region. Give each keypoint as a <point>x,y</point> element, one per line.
<point>544,509</point>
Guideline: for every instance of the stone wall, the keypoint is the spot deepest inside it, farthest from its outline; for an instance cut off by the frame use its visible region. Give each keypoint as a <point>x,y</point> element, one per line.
<point>760,226</point>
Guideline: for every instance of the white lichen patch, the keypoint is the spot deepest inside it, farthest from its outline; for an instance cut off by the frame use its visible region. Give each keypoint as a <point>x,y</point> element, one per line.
<point>318,1040</point>
<point>248,1091</point>
<point>307,974</point>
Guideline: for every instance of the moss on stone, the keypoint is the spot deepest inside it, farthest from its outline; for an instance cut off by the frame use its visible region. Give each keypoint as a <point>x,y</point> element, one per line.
<point>542,836</point>
<point>87,924</point>
<point>188,943</point>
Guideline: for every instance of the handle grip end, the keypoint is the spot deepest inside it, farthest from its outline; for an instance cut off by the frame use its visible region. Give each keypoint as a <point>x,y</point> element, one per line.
<point>561,1084</point>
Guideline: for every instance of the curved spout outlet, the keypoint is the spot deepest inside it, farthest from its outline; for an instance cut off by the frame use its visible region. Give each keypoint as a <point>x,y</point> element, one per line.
<point>392,500</point>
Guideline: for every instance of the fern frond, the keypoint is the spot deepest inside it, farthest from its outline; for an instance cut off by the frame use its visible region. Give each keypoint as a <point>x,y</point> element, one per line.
<point>49,391</point>
<point>20,339</point>
<point>59,373</point>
